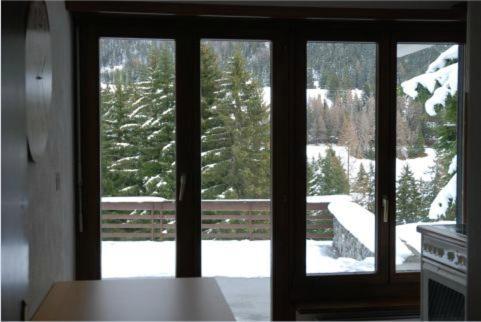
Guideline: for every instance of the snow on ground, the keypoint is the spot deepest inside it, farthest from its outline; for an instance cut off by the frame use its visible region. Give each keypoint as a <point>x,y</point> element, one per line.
<point>314,94</point>
<point>419,166</point>
<point>320,258</point>
<point>244,258</point>
<point>108,69</point>
<point>357,93</point>
<point>408,235</point>
<point>241,258</point>
<point>234,258</point>
<point>319,93</point>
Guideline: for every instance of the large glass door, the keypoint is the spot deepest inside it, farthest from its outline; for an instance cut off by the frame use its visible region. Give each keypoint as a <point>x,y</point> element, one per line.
<point>137,157</point>
<point>379,142</point>
<point>236,171</point>
<point>341,97</point>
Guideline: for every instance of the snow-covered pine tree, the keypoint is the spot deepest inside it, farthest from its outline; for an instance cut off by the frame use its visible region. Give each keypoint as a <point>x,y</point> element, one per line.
<point>431,188</point>
<point>314,177</point>
<point>371,192</point>
<point>333,177</point>
<point>216,138</point>
<point>106,140</point>
<point>120,155</point>
<point>247,118</point>
<point>361,187</point>
<point>408,199</point>
<point>436,90</point>
<point>155,107</point>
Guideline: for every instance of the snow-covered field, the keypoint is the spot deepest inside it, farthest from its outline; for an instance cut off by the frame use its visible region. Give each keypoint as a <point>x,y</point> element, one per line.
<point>242,258</point>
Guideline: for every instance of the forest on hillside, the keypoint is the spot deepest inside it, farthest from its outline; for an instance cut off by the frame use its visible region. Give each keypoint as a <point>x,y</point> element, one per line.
<point>138,121</point>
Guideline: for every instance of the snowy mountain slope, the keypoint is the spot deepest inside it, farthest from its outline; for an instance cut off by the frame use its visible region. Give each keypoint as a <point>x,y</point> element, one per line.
<point>419,166</point>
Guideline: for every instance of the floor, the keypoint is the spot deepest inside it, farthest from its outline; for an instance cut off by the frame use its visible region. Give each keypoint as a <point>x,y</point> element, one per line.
<point>249,298</point>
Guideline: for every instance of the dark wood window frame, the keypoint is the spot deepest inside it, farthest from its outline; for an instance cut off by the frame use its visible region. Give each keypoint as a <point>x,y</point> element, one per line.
<point>291,288</point>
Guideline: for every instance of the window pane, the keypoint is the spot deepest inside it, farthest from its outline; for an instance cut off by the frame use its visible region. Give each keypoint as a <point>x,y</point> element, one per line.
<point>341,165</point>
<point>137,111</point>
<point>426,150</point>
<point>236,173</point>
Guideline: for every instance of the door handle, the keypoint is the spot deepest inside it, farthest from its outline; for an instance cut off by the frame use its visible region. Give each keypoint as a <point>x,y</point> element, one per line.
<point>385,209</point>
<point>183,182</point>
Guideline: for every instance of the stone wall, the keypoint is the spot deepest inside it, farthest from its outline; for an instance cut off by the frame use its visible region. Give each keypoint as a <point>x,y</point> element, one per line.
<point>347,245</point>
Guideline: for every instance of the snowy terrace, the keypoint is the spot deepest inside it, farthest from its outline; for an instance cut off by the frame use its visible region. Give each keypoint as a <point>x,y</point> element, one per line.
<point>138,241</point>
<point>138,237</point>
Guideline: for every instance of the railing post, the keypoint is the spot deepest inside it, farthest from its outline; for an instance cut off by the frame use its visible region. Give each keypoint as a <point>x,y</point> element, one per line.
<point>251,230</point>
<point>161,221</point>
<point>152,212</point>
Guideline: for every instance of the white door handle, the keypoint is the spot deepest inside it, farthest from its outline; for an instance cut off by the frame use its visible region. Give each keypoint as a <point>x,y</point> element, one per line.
<point>385,209</point>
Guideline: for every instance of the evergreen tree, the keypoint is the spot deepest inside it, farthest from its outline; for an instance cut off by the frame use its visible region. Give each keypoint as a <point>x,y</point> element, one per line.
<point>416,148</point>
<point>332,177</point>
<point>361,187</point>
<point>216,139</point>
<point>247,119</point>
<point>314,177</point>
<point>408,199</point>
<point>120,156</point>
<point>371,191</point>
<point>445,130</point>
<point>155,108</point>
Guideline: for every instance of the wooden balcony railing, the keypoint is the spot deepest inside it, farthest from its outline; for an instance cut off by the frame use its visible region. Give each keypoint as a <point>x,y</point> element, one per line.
<point>151,218</point>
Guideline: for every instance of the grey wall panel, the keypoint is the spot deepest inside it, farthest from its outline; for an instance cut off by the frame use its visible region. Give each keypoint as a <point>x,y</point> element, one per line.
<point>14,162</point>
<point>38,236</point>
<point>51,179</point>
<point>473,160</point>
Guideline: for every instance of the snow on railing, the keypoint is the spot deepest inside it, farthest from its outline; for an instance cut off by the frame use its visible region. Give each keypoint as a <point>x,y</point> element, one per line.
<point>153,218</point>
